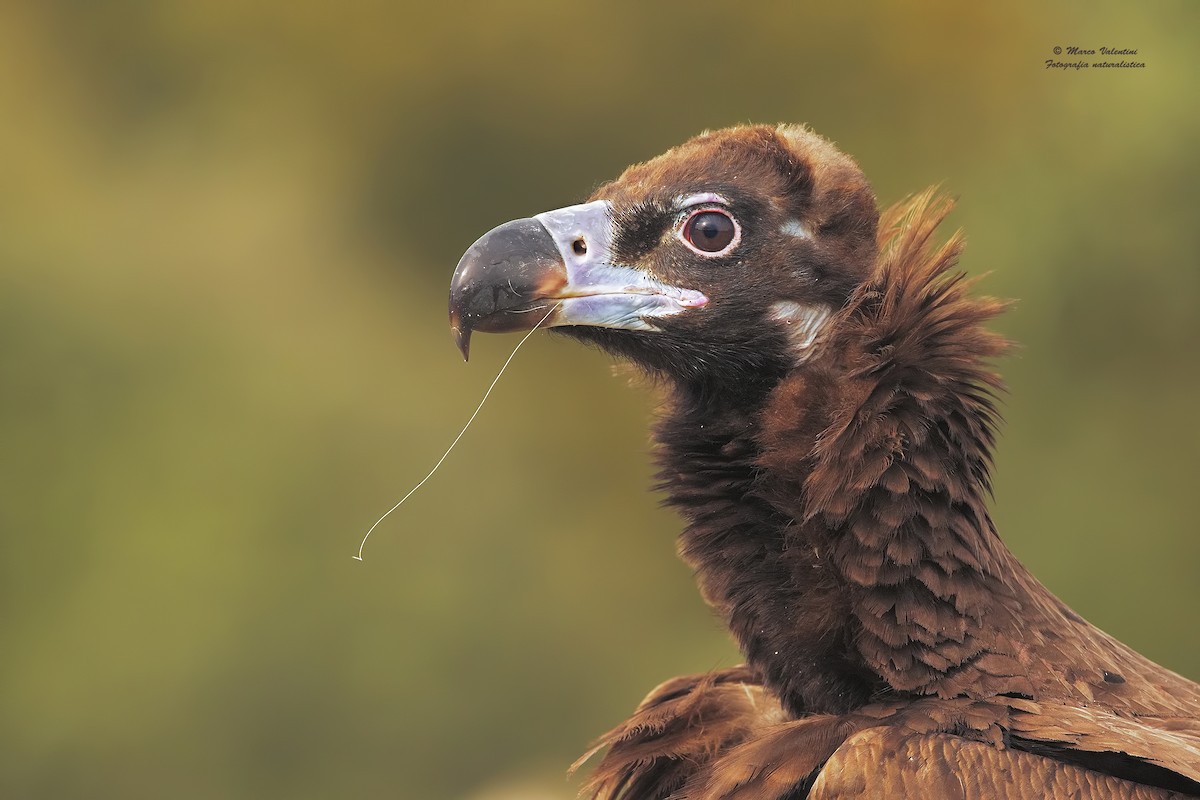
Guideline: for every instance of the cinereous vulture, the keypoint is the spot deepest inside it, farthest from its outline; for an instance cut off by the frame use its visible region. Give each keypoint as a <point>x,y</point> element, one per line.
<point>827,438</point>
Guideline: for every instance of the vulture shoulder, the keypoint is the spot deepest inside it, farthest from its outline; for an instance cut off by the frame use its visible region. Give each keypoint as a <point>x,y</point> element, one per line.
<point>827,436</point>
<point>886,763</point>
<point>723,736</point>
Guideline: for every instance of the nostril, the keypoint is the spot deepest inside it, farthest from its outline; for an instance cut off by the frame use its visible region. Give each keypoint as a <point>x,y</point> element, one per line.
<point>579,246</point>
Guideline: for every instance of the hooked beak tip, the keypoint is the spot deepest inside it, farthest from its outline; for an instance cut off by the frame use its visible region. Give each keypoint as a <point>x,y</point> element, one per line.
<point>462,338</point>
<point>501,278</point>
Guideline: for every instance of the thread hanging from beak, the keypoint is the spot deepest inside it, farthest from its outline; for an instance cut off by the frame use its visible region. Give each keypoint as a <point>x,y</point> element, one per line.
<point>436,466</point>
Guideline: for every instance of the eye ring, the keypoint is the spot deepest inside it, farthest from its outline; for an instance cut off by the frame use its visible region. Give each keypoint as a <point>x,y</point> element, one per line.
<point>710,231</point>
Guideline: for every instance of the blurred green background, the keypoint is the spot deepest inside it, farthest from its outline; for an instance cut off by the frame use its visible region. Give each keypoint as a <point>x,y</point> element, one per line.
<point>226,234</point>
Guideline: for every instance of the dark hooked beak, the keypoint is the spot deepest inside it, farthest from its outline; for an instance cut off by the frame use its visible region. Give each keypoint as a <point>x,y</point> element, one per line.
<point>556,269</point>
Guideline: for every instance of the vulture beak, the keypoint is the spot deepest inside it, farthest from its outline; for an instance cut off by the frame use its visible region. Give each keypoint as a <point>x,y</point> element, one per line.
<point>556,269</point>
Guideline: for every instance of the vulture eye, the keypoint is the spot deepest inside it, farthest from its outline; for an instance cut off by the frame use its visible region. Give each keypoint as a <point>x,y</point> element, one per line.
<point>711,232</point>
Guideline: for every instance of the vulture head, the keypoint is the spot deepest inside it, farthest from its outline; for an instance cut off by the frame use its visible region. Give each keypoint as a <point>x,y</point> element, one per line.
<point>719,263</point>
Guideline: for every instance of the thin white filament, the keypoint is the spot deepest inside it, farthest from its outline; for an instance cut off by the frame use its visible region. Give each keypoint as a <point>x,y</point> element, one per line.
<point>436,466</point>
